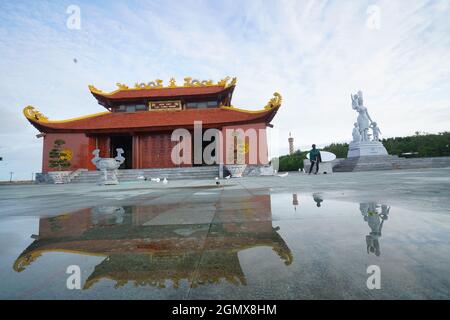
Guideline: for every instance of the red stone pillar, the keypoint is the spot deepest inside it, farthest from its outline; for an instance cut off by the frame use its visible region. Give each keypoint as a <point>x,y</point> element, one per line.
<point>136,152</point>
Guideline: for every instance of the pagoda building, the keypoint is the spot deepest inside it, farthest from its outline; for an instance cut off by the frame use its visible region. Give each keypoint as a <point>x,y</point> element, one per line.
<point>141,120</point>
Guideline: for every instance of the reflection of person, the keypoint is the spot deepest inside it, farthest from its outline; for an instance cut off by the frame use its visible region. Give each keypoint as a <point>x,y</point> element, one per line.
<point>318,199</point>
<point>314,158</point>
<point>375,221</point>
<point>295,201</point>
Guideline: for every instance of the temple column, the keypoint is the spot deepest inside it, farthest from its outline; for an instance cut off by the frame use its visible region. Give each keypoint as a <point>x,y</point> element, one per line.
<point>137,163</point>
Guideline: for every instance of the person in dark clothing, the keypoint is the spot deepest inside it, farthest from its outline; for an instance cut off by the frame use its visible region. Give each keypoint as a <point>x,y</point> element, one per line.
<point>314,158</point>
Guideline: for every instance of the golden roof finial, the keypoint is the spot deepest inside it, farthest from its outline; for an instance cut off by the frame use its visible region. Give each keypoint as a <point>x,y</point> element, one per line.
<point>233,82</point>
<point>275,102</point>
<point>223,82</point>
<point>34,115</point>
<point>121,86</point>
<point>95,90</point>
<point>187,82</point>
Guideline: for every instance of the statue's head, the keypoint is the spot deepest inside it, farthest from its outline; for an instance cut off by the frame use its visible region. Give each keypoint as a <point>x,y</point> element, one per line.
<point>374,124</point>
<point>356,124</point>
<point>313,146</point>
<point>360,97</point>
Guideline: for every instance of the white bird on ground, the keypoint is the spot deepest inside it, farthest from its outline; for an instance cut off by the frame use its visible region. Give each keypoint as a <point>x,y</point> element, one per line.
<point>165,181</point>
<point>283,175</point>
<point>155,179</point>
<point>228,177</point>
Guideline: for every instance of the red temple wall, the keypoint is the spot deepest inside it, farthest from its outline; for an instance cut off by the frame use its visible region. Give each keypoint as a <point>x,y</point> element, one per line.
<point>259,146</point>
<point>149,150</point>
<point>79,144</point>
<point>102,143</point>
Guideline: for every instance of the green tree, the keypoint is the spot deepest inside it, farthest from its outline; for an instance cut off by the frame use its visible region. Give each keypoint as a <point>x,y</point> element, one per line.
<point>339,149</point>
<point>58,157</point>
<point>424,144</point>
<point>292,162</point>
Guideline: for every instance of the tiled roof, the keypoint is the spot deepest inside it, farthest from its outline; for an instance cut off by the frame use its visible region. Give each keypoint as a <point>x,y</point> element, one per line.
<point>151,120</point>
<point>160,92</point>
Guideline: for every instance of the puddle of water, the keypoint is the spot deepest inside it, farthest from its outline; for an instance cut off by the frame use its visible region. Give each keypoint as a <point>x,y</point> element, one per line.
<point>262,245</point>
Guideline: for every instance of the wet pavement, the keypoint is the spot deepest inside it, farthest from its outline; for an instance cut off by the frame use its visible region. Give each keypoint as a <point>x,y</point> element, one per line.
<point>299,237</point>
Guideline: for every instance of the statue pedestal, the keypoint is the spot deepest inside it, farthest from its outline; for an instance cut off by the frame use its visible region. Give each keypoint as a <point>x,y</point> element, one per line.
<point>366,148</point>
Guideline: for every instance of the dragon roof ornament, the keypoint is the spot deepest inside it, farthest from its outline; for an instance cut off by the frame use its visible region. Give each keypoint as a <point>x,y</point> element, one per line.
<point>275,102</point>
<point>33,114</point>
<point>189,82</point>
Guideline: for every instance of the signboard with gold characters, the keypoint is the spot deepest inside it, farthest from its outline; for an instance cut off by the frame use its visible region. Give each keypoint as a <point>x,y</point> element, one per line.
<point>165,105</point>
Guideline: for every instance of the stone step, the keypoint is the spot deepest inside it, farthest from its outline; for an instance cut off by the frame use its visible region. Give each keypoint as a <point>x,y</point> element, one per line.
<point>208,172</point>
<point>123,172</point>
<point>155,174</point>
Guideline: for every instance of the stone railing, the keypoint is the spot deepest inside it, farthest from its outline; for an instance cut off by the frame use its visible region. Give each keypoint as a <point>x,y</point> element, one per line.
<point>58,177</point>
<point>75,174</point>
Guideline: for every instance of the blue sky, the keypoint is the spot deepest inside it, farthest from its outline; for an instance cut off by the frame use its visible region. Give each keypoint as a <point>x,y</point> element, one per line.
<point>315,53</point>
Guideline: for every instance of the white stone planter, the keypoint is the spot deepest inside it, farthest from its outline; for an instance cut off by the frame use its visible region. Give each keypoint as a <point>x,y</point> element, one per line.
<point>236,170</point>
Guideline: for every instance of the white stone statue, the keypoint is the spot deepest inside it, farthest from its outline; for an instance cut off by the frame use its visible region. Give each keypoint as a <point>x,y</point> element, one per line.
<point>108,166</point>
<point>356,135</point>
<point>363,116</point>
<point>364,143</point>
<point>376,131</point>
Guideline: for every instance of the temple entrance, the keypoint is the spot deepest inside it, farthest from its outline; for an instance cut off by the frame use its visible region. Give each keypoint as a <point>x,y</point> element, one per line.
<point>126,143</point>
<point>204,144</point>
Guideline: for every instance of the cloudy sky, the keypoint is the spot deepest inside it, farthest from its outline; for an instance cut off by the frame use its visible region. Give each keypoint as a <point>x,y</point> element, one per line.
<point>315,53</point>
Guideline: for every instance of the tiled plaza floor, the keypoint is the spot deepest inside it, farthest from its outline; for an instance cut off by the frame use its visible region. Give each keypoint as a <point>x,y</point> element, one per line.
<point>299,237</point>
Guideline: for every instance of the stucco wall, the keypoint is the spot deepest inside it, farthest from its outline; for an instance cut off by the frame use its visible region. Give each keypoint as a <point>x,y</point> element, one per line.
<point>79,144</point>
<point>257,149</point>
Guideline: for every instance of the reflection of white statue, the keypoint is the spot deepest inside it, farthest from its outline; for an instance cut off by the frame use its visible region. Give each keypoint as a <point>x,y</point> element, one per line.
<point>363,115</point>
<point>375,221</point>
<point>356,135</point>
<point>108,165</point>
<point>376,131</point>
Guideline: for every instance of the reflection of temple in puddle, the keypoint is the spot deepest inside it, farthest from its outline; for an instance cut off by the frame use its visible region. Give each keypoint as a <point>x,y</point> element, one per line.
<point>374,215</point>
<point>146,253</point>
